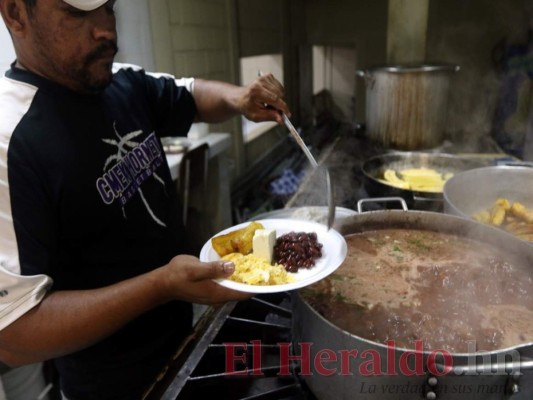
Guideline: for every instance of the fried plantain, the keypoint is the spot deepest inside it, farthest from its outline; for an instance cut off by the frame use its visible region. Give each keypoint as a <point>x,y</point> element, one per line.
<point>520,211</point>
<point>238,241</point>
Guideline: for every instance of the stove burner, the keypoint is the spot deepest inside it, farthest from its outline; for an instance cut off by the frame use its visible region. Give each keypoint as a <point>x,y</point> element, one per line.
<point>235,354</point>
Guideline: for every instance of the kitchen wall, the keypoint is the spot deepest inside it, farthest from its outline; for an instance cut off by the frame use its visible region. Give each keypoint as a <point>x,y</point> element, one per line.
<point>206,38</point>
<point>134,33</point>
<point>7,53</point>
<point>476,34</point>
<point>198,38</point>
<point>357,24</point>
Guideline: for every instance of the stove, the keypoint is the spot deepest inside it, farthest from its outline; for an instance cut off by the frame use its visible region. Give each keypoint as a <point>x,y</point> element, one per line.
<point>240,351</point>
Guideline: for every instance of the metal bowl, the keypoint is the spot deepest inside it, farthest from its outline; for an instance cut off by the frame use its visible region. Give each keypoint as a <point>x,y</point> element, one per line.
<point>475,190</point>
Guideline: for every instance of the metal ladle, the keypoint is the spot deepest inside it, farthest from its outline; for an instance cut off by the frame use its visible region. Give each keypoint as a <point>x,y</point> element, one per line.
<point>307,152</point>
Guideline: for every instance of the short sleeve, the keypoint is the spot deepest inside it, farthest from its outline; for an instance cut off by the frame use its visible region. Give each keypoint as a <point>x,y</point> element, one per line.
<point>19,294</point>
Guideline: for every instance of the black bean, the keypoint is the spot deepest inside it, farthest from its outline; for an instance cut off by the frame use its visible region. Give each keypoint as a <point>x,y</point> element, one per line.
<point>297,250</point>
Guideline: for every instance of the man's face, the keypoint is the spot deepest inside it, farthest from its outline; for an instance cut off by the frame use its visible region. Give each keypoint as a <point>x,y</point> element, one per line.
<point>72,47</point>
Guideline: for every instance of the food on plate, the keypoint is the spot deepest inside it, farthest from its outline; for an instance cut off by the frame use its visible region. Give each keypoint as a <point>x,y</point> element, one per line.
<point>297,250</point>
<point>238,241</point>
<point>513,217</point>
<point>419,179</point>
<point>262,259</point>
<point>263,244</point>
<point>254,270</point>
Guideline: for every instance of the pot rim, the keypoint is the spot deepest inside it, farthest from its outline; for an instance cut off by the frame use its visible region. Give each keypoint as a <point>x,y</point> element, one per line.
<point>410,68</point>
<point>411,350</point>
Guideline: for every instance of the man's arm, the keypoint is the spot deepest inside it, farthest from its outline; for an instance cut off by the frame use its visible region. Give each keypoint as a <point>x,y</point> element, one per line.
<point>260,101</point>
<point>68,321</point>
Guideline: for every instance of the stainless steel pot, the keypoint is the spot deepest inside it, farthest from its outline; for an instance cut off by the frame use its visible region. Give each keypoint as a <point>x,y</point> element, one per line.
<point>472,191</point>
<point>473,376</point>
<point>374,168</point>
<point>406,105</point>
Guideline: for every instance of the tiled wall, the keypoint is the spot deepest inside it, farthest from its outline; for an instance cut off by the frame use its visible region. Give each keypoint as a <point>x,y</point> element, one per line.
<point>198,38</point>
<point>134,33</point>
<point>7,53</point>
<point>260,27</point>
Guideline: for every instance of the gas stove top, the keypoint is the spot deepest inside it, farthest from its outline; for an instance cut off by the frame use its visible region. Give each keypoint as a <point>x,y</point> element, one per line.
<point>238,351</point>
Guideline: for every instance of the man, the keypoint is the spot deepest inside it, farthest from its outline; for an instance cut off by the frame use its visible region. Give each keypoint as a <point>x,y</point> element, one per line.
<point>86,198</point>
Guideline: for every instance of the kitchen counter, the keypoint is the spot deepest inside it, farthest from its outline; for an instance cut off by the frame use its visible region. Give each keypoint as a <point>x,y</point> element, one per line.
<point>218,143</point>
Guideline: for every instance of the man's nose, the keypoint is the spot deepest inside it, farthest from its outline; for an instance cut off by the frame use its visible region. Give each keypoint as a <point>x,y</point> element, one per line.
<point>104,24</point>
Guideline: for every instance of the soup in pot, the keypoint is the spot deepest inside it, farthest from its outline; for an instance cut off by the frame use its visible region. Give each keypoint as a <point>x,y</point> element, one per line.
<point>445,290</point>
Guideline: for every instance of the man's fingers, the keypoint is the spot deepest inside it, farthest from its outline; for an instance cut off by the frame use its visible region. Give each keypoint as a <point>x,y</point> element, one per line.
<point>271,100</point>
<point>212,270</point>
<point>269,92</point>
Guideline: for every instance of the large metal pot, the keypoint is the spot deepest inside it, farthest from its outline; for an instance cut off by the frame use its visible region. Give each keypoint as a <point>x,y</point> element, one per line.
<point>473,376</point>
<point>375,167</point>
<point>406,105</point>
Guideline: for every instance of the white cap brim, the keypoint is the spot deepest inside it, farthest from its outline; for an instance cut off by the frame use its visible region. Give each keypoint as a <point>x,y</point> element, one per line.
<point>86,5</point>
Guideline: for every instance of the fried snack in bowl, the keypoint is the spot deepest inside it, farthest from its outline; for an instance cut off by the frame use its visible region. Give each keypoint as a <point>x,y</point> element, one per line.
<point>238,241</point>
<point>513,217</point>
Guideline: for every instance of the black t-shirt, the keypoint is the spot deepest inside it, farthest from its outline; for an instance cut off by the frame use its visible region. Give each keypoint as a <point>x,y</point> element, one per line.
<point>93,203</point>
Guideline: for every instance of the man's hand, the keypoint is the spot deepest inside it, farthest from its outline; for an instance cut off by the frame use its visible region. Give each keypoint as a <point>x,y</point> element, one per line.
<point>187,278</point>
<point>263,100</point>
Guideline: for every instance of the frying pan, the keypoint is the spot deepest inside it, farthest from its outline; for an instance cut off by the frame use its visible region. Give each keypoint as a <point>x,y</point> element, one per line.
<point>374,168</point>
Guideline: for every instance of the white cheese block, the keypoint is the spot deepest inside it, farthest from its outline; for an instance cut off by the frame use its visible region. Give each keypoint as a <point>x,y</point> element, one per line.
<point>263,244</point>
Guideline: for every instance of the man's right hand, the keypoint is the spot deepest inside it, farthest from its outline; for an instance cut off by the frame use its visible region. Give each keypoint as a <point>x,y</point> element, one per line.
<point>187,278</point>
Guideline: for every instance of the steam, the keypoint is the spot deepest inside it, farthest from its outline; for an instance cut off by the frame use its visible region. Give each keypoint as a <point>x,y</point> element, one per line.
<point>470,40</point>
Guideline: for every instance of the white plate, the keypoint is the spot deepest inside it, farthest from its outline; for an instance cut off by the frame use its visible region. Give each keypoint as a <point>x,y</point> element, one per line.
<point>334,251</point>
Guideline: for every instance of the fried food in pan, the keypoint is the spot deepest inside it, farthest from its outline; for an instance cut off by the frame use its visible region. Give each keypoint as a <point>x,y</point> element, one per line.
<point>513,217</point>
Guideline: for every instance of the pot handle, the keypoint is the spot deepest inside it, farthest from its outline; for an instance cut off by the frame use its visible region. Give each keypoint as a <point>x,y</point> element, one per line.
<point>515,163</point>
<point>507,367</point>
<point>429,199</point>
<point>361,202</point>
<point>370,80</point>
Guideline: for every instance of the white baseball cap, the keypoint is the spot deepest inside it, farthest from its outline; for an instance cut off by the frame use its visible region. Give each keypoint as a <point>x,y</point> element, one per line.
<point>86,5</point>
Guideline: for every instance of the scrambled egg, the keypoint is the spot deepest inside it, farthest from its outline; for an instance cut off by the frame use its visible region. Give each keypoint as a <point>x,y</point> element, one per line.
<point>254,270</point>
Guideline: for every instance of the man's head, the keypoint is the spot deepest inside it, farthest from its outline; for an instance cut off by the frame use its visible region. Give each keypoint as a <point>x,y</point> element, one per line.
<point>71,42</point>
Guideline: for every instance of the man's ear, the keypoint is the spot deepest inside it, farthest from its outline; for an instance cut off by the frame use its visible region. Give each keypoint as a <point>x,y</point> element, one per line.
<point>15,15</point>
